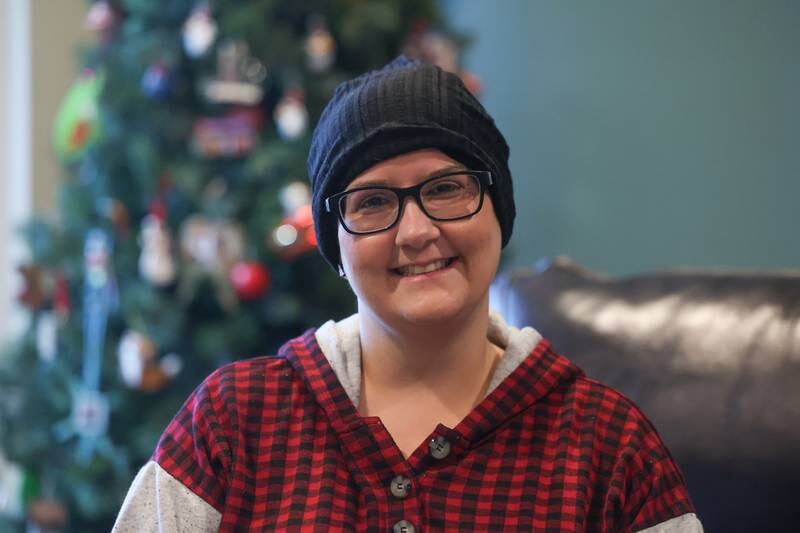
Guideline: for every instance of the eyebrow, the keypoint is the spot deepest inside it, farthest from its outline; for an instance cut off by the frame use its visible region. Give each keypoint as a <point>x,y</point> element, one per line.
<point>383,182</point>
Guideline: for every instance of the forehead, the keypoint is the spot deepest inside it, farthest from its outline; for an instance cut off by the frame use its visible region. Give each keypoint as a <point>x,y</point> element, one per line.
<point>406,169</point>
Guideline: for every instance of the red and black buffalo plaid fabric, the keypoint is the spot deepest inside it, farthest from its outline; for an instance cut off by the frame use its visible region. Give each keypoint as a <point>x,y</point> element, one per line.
<point>274,443</point>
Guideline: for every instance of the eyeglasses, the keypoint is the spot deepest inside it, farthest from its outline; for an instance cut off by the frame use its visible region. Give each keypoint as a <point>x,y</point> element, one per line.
<point>451,196</point>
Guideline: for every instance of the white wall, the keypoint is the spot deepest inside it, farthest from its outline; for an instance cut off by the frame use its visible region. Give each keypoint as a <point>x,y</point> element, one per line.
<point>57,28</point>
<point>38,39</point>
<point>15,194</point>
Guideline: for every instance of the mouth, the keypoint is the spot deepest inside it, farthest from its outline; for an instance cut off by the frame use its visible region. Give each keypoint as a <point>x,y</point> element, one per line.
<point>416,270</point>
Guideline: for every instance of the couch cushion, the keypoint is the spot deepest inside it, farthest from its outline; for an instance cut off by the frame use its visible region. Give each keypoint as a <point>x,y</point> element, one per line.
<point>713,359</point>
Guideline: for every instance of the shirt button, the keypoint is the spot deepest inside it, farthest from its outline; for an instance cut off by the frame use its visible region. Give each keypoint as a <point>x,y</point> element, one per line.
<point>404,526</point>
<point>400,487</point>
<point>439,447</point>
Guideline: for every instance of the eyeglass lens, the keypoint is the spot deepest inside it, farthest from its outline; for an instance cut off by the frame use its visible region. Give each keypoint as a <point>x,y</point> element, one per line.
<point>445,198</point>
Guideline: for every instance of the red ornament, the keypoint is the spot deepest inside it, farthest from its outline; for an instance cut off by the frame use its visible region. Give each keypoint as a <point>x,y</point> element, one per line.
<point>249,279</point>
<point>295,236</point>
<point>472,82</point>
<point>61,301</point>
<point>80,134</point>
<point>158,208</point>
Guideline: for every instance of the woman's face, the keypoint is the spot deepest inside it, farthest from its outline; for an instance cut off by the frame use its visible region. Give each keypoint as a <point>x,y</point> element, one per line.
<point>465,253</point>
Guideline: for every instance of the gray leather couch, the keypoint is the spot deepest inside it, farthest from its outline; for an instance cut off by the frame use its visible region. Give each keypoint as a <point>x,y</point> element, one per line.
<point>711,357</point>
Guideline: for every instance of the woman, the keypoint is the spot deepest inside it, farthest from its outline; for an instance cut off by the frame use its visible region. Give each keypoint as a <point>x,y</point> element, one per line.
<point>424,411</point>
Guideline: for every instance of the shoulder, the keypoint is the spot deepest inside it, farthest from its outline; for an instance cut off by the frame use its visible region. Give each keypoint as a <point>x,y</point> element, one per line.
<point>223,401</point>
<point>617,426</point>
<point>266,381</point>
<point>247,372</point>
<point>616,416</point>
<point>643,479</point>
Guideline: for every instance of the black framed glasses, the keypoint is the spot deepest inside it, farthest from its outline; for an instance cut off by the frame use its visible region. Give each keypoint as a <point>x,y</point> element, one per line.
<point>450,196</point>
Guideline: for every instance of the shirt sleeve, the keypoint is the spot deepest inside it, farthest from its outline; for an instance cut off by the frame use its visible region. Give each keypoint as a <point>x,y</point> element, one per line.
<point>157,502</point>
<point>659,493</point>
<point>183,486</point>
<point>655,498</point>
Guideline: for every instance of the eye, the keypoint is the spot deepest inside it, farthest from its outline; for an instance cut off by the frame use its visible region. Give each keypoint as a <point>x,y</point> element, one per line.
<point>444,188</point>
<point>369,201</point>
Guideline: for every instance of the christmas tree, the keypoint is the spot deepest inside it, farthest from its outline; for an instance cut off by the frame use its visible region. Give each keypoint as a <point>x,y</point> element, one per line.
<point>184,238</point>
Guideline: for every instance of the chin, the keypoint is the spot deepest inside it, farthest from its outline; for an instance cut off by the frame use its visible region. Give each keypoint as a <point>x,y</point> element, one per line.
<point>433,314</point>
<point>429,318</point>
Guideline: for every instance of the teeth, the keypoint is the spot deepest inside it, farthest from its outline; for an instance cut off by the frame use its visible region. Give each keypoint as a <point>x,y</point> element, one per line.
<point>413,270</point>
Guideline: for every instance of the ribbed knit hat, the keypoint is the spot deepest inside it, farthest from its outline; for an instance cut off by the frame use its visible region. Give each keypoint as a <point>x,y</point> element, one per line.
<point>405,106</point>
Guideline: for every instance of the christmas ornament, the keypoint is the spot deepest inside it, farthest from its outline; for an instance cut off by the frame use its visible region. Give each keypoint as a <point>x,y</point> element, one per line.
<point>472,82</point>
<point>47,514</point>
<point>46,336</point>
<point>32,295</point>
<point>138,366</point>
<point>199,241</point>
<point>199,31</point>
<point>158,209</point>
<point>239,76</point>
<point>77,126</point>
<point>100,16</point>
<point>157,81</point>
<point>250,280</point>
<point>156,264</point>
<point>90,408</point>
<point>295,235</point>
<point>291,116</point>
<point>210,249</point>
<point>12,481</point>
<point>61,298</point>
<point>439,49</point>
<point>320,47</point>
<point>134,353</point>
<point>214,245</point>
<point>432,46</point>
<point>102,19</point>
<point>294,196</point>
<point>233,135</point>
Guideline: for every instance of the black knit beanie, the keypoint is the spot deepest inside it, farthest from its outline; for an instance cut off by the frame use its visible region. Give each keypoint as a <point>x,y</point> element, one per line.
<point>405,106</point>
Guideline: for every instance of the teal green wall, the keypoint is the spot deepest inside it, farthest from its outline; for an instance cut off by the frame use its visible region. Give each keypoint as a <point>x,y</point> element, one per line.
<point>646,134</point>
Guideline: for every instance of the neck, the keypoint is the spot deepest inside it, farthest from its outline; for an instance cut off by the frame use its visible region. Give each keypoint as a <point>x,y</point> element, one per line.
<point>450,363</point>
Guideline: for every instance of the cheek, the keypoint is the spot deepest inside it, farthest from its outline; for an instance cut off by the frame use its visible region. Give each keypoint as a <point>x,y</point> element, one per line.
<point>360,254</point>
<point>486,243</point>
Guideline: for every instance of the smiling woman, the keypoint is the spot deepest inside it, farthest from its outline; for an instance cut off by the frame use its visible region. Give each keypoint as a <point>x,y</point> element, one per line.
<point>423,411</point>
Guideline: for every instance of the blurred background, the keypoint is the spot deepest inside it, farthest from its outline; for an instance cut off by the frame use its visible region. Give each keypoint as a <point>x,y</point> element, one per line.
<point>646,135</point>
<point>153,154</point>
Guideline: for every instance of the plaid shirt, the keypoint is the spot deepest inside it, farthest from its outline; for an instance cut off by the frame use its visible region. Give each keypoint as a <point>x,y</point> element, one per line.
<point>274,443</point>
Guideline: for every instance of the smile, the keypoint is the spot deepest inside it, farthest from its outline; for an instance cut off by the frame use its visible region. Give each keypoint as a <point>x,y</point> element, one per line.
<point>416,270</point>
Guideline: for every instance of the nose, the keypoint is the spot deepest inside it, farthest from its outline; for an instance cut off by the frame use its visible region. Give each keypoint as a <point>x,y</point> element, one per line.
<point>414,228</point>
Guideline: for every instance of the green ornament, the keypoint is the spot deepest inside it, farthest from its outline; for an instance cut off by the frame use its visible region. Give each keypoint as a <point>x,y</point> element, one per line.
<point>77,125</point>
<point>18,486</point>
